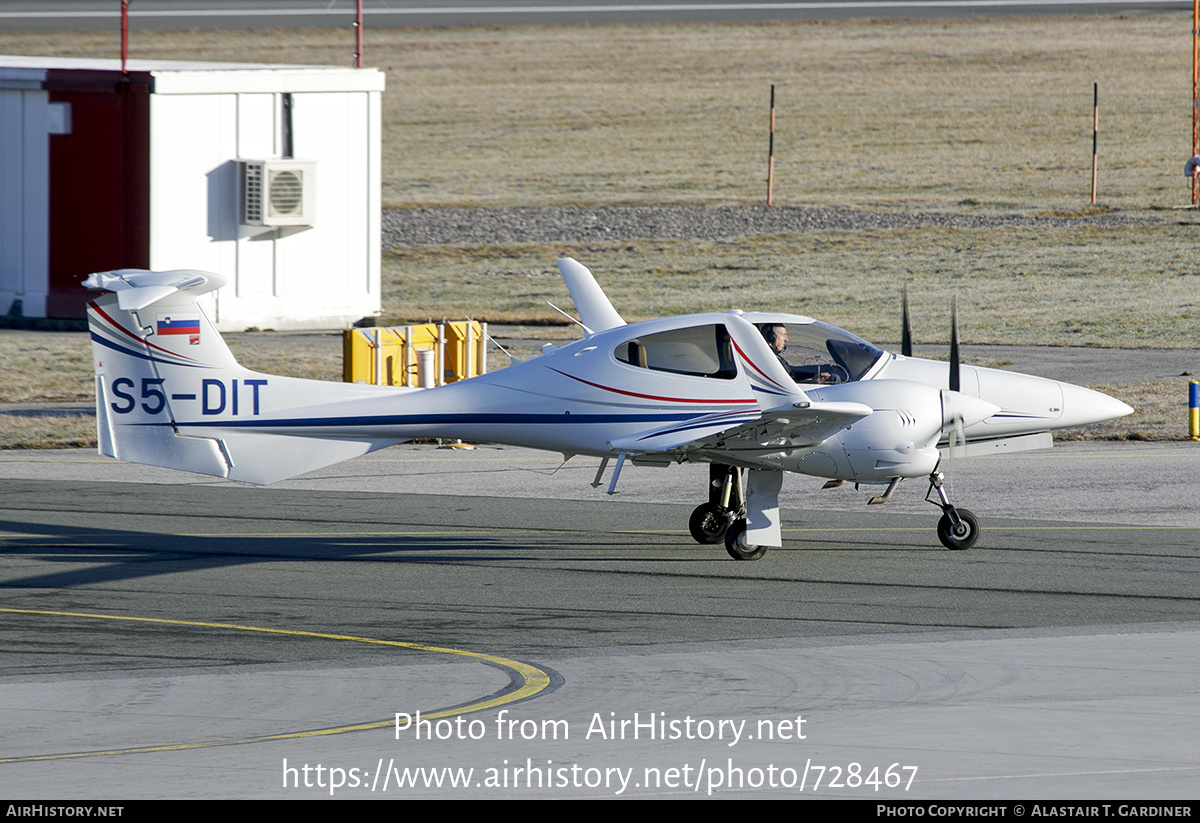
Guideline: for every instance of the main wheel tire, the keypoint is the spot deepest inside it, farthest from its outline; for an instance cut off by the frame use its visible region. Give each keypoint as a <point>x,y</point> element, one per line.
<point>964,536</point>
<point>708,524</point>
<point>736,545</point>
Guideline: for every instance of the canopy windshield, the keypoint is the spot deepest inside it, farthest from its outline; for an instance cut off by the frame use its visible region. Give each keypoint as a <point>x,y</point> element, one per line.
<point>819,353</point>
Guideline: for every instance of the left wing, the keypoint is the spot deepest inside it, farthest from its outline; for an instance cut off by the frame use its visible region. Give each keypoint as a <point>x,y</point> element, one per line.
<point>798,426</point>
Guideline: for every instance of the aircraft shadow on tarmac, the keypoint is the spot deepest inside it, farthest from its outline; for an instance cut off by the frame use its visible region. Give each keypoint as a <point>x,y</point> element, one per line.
<point>111,532</point>
<point>126,554</point>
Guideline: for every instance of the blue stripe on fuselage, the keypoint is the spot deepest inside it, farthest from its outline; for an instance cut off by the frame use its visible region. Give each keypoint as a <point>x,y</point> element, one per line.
<point>438,420</point>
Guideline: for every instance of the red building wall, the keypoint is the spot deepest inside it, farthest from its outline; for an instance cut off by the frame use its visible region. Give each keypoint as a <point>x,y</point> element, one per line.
<point>99,183</point>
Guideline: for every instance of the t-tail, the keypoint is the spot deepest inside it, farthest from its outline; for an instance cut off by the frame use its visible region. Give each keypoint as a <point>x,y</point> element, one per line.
<point>170,393</point>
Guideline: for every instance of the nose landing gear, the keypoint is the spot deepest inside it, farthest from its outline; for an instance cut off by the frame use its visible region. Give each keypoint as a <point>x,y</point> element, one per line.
<point>958,529</point>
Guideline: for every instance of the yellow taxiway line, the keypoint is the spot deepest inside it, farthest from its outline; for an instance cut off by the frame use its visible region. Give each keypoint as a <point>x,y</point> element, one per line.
<point>530,679</point>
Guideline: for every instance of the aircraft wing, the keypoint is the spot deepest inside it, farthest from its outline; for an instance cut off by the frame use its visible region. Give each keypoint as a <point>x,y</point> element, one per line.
<point>799,426</point>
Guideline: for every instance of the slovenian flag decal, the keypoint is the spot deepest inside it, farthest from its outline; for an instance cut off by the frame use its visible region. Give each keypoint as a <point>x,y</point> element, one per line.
<point>180,324</point>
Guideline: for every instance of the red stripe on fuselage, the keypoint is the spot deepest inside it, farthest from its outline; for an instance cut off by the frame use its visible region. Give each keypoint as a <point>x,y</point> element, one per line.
<point>752,365</point>
<point>652,396</point>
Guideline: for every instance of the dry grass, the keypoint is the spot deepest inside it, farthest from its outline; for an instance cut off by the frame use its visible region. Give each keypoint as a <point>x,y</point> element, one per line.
<point>1083,286</point>
<point>49,432</point>
<point>940,113</point>
<point>312,356</point>
<point>45,367</point>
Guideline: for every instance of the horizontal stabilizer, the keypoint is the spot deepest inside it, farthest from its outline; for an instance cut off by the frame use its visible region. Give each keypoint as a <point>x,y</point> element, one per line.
<point>137,288</point>
<point>262,459</point>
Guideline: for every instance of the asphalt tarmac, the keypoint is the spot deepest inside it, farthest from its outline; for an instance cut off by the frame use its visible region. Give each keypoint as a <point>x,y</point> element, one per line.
<point>168,635</point>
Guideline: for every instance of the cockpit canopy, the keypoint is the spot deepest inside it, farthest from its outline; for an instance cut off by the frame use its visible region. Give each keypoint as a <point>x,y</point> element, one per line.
<point>817,352</point>
<point>814,352</point>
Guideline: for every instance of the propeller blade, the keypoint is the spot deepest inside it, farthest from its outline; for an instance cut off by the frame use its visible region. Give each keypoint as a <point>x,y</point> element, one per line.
<point>905,328</point>
<point>955,381</point>
<point>959,411</point>
<point>953,444</point>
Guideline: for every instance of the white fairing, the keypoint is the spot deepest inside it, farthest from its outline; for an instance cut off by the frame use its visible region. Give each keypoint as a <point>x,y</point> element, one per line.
<point>900,437</point>
<point>762,515</point>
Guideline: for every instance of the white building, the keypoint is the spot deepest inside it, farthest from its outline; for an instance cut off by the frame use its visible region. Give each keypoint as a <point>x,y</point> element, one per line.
<point>269,175</point>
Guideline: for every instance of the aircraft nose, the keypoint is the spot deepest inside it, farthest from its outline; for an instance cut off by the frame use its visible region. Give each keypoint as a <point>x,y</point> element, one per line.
<point>1082,407</point>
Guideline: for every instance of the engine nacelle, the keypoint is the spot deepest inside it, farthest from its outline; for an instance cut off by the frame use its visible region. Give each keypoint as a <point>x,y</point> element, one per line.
<point>900,438</point>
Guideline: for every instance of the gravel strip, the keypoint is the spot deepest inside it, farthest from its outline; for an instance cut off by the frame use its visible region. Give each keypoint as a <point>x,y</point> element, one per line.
<point>442,227</point>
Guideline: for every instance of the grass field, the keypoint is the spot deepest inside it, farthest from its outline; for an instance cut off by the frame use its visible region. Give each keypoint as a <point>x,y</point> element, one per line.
<point>1123,286</point>
<point>984,113</point>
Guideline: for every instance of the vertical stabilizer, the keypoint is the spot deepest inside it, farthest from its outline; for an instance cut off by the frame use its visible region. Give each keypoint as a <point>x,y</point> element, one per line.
<point>595,310</point>
<point>135,352</point>
<point>170,393</point>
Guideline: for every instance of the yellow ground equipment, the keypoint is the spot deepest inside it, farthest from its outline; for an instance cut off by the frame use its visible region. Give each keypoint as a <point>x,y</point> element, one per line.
<point>425,355</point>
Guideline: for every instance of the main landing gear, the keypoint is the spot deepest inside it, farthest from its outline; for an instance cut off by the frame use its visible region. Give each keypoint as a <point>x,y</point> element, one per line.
<point>723,517</point>
<point>958,529</point>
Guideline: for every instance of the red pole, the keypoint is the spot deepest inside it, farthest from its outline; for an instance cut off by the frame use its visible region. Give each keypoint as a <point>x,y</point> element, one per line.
<point>358,27</point>
<point>124,33</point>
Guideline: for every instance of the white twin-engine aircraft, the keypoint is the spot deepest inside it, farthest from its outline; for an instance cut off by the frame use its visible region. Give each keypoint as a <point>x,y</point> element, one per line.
<point>762,392</point>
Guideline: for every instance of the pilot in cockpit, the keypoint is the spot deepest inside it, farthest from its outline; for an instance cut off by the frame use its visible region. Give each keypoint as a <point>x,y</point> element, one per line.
<point>777,338</point>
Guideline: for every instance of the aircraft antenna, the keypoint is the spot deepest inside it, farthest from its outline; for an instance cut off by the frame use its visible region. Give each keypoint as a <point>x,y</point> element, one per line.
<point>569,317</point>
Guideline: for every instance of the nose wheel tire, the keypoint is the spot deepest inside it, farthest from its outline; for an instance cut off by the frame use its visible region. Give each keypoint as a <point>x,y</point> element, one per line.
<point>708,524</point>
<point>736,545</point>
<point>961,536</point>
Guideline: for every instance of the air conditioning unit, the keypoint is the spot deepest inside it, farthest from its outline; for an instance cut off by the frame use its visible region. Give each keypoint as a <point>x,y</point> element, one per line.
<point>279,192</point>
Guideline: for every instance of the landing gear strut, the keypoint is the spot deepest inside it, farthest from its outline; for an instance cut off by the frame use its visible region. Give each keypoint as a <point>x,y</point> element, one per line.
<point>737,513</point>
<point>711,520</point>
<point>958,529</point>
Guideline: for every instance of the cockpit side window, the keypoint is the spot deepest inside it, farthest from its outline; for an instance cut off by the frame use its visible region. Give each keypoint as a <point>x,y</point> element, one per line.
<point>697,351</point>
